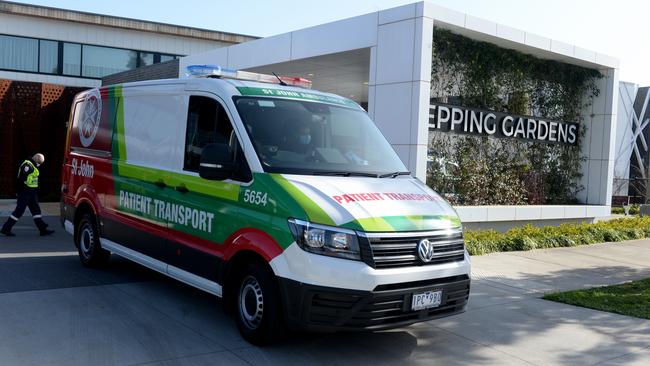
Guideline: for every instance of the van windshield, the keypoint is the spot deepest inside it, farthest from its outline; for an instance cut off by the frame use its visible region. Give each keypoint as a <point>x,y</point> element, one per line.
<point>304,137</point>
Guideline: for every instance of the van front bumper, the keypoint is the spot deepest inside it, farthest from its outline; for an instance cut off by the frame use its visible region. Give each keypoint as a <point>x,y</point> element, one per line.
<point>318,308</point>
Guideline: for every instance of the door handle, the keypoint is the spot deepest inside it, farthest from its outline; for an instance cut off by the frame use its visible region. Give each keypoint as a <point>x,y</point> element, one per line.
<point>160,183</point>
<point>182,189</point>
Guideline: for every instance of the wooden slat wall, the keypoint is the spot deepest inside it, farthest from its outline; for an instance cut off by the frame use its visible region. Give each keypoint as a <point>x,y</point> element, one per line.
<point>33,119</point>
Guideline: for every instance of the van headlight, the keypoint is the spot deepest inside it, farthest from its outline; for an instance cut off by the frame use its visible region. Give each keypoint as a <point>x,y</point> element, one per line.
<point>325,240</point>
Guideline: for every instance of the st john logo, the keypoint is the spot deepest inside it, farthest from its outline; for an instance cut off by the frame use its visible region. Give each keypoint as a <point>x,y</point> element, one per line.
<point>90,118</point>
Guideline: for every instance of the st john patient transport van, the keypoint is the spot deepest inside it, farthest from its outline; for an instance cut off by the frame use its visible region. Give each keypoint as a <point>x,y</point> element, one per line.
<point>286,201</point>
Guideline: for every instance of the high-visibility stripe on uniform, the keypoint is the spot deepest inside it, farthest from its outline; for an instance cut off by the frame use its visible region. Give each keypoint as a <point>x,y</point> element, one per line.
<point>31,180</point>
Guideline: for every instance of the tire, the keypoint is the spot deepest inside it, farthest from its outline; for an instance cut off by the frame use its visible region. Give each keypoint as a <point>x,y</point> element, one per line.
<point>257,307</point>
<point>90,250</point>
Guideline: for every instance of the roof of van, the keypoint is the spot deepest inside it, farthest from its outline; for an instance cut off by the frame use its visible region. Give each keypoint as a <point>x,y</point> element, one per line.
<point>255,89</point>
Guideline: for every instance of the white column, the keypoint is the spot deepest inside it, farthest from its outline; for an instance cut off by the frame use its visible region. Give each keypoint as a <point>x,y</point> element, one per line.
<point>400,81</point>
<point>598,144</point>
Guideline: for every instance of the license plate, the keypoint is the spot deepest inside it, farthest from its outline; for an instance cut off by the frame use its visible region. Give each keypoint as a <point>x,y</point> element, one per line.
<point>426,300</point>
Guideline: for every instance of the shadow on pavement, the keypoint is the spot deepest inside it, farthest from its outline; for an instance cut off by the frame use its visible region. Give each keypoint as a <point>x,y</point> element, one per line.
<point>29,262</point>
<point>542,331</point>
<point>44,273</point>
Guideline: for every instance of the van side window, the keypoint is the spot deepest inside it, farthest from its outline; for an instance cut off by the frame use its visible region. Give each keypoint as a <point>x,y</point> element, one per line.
<point>207,123</point>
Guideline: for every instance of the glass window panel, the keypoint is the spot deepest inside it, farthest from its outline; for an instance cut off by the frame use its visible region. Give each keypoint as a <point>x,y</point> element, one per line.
<point>71,59</point>
<point>49,57</point>
<point>207,123</point>
<point>146,58</point>
<point>295,136</point>
<point>18,53</point>
<point>101,61</point>
<point>165,58</point>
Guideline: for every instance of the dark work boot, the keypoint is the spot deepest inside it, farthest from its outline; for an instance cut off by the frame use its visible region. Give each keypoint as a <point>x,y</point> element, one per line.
<point>6,228</point>
<point>42,226</point>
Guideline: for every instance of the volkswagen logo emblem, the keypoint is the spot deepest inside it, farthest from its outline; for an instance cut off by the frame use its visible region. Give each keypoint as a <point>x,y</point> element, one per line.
<point>425,250</point>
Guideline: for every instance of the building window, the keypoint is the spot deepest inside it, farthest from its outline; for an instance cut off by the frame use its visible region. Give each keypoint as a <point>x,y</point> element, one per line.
<point>165,58</point>
<point>48,57</point>
<point>146,59</point>
<point>17,53</point>
<point>71,59</point>
<point>101,61</point>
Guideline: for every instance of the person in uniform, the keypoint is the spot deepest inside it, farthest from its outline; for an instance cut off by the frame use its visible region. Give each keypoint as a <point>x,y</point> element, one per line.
<point>27,196</point>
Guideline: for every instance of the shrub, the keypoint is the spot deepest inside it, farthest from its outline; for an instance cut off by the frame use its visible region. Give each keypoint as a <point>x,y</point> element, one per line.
<point>619,210</point>
<point>530,237</point>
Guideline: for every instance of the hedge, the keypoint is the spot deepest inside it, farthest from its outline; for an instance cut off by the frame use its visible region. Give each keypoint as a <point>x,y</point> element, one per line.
<point>634,210</point>
<point>529,237</point>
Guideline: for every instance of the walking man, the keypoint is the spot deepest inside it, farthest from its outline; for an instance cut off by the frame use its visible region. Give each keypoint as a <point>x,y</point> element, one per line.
<point>27,196</point>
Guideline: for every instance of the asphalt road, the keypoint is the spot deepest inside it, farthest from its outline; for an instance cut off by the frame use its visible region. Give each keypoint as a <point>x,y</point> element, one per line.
<point>53,311</point>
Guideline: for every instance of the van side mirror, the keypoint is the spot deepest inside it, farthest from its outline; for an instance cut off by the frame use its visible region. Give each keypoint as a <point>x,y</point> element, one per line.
<point>217,162</point>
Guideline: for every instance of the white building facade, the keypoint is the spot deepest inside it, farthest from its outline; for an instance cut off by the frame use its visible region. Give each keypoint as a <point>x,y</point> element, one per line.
<point>383,60</point>
<point>71,48</point>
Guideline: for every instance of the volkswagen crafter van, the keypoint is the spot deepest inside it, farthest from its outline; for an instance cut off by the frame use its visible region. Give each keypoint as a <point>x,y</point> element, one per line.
<point>285,201</point>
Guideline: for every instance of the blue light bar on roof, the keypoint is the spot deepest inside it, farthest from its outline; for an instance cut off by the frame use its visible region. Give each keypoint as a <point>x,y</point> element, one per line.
<point>203,71</point>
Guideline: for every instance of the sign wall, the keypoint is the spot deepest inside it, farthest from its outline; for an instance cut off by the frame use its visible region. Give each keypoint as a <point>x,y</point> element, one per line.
<point>457,119</point>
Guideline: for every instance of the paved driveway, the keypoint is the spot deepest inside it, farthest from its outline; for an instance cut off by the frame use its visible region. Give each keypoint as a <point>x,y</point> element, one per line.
<point>55,312</point>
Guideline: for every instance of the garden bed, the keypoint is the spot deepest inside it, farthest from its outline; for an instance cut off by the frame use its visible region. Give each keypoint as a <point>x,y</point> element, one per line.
<point>567,235</point>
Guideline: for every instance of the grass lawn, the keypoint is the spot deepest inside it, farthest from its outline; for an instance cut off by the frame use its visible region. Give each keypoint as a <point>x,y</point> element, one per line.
<point>632,298</point>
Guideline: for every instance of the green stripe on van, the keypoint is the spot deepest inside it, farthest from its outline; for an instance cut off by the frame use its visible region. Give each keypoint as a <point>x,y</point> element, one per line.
<point>404,223</point>
<point>378,224</point>
<point>193,183</point>
<point>119,122</point>
<point>313,211</point>
<point>281,93</point>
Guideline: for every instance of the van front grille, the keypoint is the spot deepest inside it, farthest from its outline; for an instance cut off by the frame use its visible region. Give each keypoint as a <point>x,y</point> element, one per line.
<point>390,250</point>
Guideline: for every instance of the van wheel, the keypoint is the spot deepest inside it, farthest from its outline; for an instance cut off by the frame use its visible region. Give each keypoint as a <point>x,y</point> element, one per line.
<point>91,253</point>
<point>257,309</point>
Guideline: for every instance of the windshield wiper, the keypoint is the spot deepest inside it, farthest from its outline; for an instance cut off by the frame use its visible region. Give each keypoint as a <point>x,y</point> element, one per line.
<point>393,174</point>
<point>346,174</point>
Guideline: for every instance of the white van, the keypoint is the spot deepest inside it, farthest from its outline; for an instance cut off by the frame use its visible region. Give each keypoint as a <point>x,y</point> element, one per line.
<point>286,201</point>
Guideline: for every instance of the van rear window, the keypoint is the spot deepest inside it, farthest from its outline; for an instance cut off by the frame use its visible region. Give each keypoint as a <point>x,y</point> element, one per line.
<point>91,128</point>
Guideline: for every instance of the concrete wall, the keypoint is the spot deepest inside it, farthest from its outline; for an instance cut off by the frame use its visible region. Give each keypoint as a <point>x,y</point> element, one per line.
<point>165,70</point>
<point>400,82</point>
<point>102,35</point>
<point>49,79</point>
<point>344,35</point>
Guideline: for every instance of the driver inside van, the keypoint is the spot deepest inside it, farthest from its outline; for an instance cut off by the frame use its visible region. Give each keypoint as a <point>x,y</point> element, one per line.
<point>299,138</point>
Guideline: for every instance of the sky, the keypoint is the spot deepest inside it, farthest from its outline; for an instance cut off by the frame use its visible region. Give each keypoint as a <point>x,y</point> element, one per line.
<point>616,28</point>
